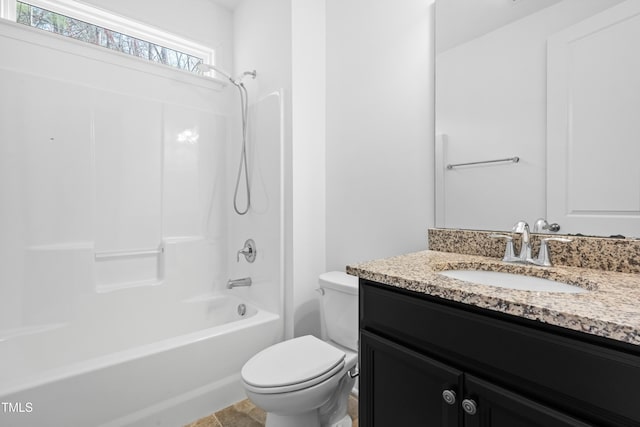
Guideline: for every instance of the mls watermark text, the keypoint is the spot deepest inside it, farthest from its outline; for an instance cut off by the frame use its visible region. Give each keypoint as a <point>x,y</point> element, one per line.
<point>16,407</point>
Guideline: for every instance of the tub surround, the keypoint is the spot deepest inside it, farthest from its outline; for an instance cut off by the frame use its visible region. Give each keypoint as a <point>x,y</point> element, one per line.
<point>600,253</point>
<point>609,310</point>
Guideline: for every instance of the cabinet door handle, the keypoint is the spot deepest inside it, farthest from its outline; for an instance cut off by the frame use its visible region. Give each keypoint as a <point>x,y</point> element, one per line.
<point>449,396</point>
<point>469,406</point>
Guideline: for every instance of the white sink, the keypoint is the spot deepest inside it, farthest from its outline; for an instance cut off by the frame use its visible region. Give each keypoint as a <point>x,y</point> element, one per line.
<point>512,281</point>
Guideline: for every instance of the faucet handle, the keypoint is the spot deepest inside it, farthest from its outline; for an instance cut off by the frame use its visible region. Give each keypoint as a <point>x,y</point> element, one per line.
<point>249,251</point>
<point>509,252</point>
<point>543,255</point>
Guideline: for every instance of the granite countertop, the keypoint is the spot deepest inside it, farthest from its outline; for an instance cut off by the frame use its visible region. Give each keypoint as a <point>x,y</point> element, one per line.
<point>610,309</point>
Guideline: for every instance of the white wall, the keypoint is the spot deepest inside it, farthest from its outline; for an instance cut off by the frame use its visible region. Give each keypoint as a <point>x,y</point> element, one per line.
<point>308,160</point>
<point>262,40</point>
<point>491,104</point>
<point>379,128</point>
<point>377,135</point>
<point>284,41</point>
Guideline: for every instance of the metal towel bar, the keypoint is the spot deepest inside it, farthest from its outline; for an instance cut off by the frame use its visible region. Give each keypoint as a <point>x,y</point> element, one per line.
<point>509,159</point>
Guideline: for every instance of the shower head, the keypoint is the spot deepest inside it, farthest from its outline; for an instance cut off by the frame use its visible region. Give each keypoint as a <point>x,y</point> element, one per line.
<point>253,74</point>
<point>202,67</point>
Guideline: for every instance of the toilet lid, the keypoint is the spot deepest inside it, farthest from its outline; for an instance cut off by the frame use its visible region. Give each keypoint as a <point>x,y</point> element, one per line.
<point>305,360</point>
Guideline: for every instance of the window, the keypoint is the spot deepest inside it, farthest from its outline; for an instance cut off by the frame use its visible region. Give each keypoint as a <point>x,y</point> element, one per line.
<point>95,26</point>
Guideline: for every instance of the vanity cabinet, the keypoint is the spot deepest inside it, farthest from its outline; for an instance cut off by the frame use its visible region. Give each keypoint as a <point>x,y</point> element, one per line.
<point>426,361</point>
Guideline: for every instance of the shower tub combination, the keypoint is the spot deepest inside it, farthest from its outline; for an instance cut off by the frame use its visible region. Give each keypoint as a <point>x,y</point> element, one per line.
<point>112,340</point>
<point>95,332</point>
<point>142,368</point>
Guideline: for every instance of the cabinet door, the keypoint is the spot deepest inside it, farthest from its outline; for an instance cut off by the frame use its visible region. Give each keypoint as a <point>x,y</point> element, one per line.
<point>399,387</point>
<point>497,407</point>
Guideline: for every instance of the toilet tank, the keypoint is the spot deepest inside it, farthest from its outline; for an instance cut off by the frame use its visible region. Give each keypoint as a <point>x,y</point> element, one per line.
<point>340,307</point>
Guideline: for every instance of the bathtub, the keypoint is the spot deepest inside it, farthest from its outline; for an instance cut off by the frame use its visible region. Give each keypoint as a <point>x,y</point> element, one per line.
<point>142,368</point>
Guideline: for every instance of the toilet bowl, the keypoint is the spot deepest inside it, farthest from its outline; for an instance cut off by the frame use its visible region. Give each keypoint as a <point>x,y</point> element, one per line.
<point>306,381</point>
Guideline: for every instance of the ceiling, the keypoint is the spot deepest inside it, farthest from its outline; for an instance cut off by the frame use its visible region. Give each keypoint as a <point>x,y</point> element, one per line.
<point>474,18</point>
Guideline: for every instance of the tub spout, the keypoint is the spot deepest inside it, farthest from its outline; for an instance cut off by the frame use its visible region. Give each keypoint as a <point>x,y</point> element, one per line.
<point>234,283</point>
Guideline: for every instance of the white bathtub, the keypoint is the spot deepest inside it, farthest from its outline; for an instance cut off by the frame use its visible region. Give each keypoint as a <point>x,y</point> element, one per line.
<point>141,368</point>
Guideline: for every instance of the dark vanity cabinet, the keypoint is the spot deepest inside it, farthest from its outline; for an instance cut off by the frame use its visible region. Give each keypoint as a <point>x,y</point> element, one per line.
<point>425,361</point>
<point>403,387</point>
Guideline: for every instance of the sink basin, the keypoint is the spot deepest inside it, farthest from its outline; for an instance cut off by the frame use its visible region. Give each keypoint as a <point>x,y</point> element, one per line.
<point>512,281</point>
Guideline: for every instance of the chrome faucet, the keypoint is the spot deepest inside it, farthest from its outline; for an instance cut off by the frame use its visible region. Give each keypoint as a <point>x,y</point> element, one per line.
<point>542,224</point>
<point>234,283</point>
<point>522,228</point>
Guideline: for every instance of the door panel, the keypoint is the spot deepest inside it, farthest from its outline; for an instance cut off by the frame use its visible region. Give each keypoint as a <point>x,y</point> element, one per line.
<point>593,178</point>
<point>399,387</point>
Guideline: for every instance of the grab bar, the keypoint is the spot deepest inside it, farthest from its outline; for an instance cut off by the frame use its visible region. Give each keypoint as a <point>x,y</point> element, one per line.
<point>509,159</point>
<point>124,254</point>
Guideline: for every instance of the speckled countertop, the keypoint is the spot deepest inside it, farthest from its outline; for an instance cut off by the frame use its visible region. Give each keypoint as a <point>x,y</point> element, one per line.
<point>610,309</point>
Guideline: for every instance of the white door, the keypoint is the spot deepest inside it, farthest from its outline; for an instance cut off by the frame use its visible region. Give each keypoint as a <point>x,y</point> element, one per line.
<point>593,124</point>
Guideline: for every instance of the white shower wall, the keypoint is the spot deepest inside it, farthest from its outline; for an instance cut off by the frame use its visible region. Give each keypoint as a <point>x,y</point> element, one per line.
<point>103,160</point>
<point>263,223</point>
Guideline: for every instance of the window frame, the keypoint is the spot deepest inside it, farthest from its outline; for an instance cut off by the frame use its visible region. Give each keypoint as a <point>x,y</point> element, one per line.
<point>114,22</point>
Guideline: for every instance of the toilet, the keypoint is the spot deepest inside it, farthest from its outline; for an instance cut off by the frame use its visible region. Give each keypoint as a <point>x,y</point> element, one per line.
<point>306,381</point>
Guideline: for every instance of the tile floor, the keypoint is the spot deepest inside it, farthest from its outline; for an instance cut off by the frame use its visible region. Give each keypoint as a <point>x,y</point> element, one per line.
<point>246,414</point>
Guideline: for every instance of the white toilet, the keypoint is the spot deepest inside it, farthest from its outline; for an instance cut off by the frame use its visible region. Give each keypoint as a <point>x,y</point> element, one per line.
<point>306,381</point>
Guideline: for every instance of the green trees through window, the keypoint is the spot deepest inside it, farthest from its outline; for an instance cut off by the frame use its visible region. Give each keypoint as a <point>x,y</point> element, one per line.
<point>70,27</point>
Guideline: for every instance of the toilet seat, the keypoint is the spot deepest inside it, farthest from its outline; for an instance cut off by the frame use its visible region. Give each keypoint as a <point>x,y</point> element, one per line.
<point>292,365</point>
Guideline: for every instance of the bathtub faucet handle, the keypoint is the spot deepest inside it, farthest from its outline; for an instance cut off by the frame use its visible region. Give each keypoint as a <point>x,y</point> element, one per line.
<point>249,251</point>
